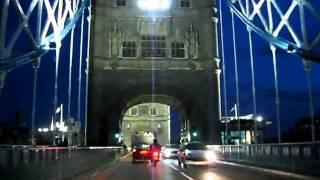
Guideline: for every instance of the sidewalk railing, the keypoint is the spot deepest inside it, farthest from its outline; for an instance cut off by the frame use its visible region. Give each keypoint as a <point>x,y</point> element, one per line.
<point>41,162</point>
<point>295,157</point>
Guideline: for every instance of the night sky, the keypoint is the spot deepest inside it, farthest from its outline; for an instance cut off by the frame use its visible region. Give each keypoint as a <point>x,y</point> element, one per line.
<point>16,96</point>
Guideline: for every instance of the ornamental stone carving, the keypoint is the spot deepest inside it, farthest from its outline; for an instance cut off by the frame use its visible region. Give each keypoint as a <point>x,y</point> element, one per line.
<point>115,41</point>
<point>193,42</point>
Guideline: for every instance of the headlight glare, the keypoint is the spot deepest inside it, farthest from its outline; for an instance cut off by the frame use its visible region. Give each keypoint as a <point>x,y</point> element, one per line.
<point>210,156</point>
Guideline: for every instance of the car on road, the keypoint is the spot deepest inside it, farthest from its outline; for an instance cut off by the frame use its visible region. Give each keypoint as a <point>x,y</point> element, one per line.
<point>170,150</point>
<point>140,151</point>
<point>195,153</point>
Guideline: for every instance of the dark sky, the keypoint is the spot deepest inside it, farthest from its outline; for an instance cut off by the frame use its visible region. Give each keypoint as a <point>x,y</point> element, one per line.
<point>17,92</point>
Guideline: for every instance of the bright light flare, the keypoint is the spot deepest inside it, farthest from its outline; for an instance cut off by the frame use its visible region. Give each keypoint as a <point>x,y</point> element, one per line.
<point>210,156</point>
<point>259,119</point>
<point>152,5</point>
<point>210,176</point>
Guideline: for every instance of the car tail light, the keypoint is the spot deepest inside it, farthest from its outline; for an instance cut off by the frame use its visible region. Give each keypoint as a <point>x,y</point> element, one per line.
<point>156,153</point>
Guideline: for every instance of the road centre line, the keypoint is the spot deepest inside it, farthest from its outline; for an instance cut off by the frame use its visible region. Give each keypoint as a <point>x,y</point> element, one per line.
<point>182,173</point>
<point>185,175</point>
<point>95,173</point>
<point>173,167</point>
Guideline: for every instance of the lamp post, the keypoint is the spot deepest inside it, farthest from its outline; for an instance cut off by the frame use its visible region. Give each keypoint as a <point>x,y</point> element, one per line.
<point>256,120</point>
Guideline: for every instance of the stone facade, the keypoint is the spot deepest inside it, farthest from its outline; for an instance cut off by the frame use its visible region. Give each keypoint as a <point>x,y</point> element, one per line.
<point>150,117</point>
<point>165,56</point>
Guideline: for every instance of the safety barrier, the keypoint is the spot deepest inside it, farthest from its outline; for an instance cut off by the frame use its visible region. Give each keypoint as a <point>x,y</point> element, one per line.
<point>294,157</point>
<point>26,162</point>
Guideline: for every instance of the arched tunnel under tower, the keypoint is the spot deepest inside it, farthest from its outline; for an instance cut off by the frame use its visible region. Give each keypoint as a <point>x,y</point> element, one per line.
<point>154,117</point>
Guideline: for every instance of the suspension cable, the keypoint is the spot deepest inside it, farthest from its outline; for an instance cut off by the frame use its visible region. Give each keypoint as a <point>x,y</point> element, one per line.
<point>307,66</point>
<point>236,74</point>
<point>87,74</point>
<point>224,85</point>
<point>253,85</point>
<point>274,60</point>
<point>80,66</point>
<point>70,71</point>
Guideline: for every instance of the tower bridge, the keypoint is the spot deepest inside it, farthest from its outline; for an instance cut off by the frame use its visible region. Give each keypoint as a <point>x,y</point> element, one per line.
<point>102,58</point>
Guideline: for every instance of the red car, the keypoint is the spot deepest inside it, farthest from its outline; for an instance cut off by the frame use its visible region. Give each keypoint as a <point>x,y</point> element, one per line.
<point>140,151</point>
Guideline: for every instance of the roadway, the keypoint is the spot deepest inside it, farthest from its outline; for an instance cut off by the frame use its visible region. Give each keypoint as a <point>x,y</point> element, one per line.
<point>168,169</point>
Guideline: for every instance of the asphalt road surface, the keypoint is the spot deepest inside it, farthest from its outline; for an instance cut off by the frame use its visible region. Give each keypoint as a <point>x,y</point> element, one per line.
<point>168,169</point>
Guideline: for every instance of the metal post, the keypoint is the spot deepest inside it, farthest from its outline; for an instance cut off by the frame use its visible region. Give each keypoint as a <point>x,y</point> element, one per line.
<point>87,75</point>
<point>4,18</point>
<point>274,58</point>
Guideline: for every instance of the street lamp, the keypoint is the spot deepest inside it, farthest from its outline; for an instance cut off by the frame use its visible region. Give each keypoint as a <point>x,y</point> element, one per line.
<point>257,119</point>
<point>194,134</point>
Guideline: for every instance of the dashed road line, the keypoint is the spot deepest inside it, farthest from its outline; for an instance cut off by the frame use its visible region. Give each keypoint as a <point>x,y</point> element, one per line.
<point>182,173</point>
<point>95,173</point>
<point>173,167</point>
<point>185,175</point>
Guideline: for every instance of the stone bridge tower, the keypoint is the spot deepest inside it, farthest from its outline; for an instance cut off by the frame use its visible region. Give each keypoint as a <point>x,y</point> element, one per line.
<point>163,54</point>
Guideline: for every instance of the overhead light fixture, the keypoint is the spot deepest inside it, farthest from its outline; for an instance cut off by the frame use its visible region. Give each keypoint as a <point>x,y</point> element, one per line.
<point>152,5</point>
<point>259,119</point>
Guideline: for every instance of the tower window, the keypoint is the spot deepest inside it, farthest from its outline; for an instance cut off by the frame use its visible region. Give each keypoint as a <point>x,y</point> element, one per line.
<point>177,50</point>
<point>153,111</point>
<point>153,46</point>
<point>120,3</point>
<point>185,3</point>
<point>134,111</point>
<point>129,49</point>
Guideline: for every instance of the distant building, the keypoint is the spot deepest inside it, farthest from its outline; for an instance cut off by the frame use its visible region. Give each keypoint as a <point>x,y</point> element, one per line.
<point>152,117</point>
<point>230,130</point>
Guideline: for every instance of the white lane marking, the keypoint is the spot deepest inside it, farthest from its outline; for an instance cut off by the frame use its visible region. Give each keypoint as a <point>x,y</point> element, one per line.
<point>173,167</point>
<point>125,156</point>
<point>182,173</point>
<point>185,175</point>
<point>278,172</point>
<point>95,173</point>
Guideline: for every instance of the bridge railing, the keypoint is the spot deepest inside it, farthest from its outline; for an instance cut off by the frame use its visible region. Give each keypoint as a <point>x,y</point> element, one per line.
<point>295,157</point>
<point>17,162</point>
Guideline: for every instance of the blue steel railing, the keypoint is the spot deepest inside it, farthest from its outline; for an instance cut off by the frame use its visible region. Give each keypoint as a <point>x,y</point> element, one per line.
<point>295,157</point>
<point>43,162</point>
